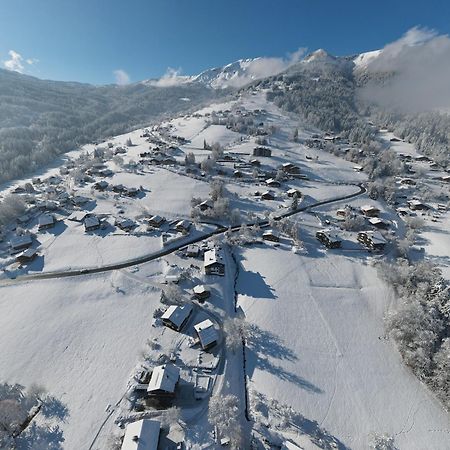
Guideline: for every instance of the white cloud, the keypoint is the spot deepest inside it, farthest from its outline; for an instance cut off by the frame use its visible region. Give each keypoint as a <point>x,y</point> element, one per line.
<point>172,77</point>
<point>420,61</point>
<point>15,62</point>
<point>121,77</point>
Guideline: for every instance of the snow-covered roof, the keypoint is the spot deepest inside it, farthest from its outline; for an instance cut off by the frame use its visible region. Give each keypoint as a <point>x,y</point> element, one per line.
<point>45,220</point>
<point>141,435</point>
<point>164,378</point>
<point>375,236</point>
<point>20,241</point>
<point>206,333</point>
<point>290,446</point>
<point>185,224</point>
<point>200,289</point>
<point>177,314</point>
<point>91,221</point>
<point>212,256</point>
<point>271,233</point>
<point>365,208</point>
<point>157,219</point>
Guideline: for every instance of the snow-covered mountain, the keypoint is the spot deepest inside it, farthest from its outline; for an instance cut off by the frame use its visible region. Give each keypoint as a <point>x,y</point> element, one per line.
<point>231,75</point>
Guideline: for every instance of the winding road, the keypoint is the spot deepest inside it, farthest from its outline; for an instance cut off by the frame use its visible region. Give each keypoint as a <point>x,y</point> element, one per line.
<point>171,249</point>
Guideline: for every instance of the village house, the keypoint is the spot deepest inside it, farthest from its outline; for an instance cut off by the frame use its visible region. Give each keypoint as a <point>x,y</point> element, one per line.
<point>201,293</point>
<point>91,223</point>
<point>271,182</point>
<point>192,251</point>
<point>294,193</point>
<point>445,178</point>
<point>156,221</point>
<point>370,211</point>
<point>46,221</point>
<point>378,223</point>
<point>207,334</point>
<point>255,162</point>
<point>213,263</point>
<point>164,381</point>
<point>408,182</point>
<point>78,216</point>
<point>175,317</point>
<point>267,195</point>
<point>26,256</point>
<point>79,200</point>
<point>271,235</point>
<point>206,204</point>
<point>328,238</point>
<point>21,242</point>
<point>373,240</point>
<point>142,435</point>
<point>183,226</point>
<point>262,151</point>
<point>101,185</point>
<point>290,168</point>
<point>124,224</point>
<point>417,205</point>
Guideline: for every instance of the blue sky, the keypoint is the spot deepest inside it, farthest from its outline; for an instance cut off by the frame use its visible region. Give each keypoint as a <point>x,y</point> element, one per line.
<point>87,40</point>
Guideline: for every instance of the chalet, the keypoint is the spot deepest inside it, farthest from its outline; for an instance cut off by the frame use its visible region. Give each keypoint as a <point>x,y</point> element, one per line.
<point>183,225</point>
<point>213,263</point>
<point>101,185</point>
<point>271,182</point>
<point>271,235</point>
<point>156,221</point>
<point>290,168</point>
<point>341,213</point>
<point>23,219</point>
<point>370,211</point>
<point>237,174</point>
<point>46,221</point>
<point>79,200</point>
<point>255,162</point>
<point>201,292</point>
<point>378,223</point>
<point>21,242</point>
<point>328,238</point>
<point>26,256</point>
<point>207,204</point>
<point>77,216</point>
<point>119,188</point>
<point>164,381</point>
<point>141,435</point>
<point>445,178</point>
<point>91,223</point>
<point>262,151</point>
<point>268,195</point>
<point>175,317</point>
<point>373,240</point>
<point>124,224</point>
<point>416,205</point>
<point>403,211</point>
<point>358,168</point>
<point>131,192</point>
<point>192,251</point>
<point>422,158</point>
<point>294,193</point>
<point>207,334</point>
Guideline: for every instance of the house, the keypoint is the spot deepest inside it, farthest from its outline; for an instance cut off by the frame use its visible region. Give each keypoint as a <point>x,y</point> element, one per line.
<point>378,223</point>
<point>131,192</point>
<point>272,182</point>
<point>358,168</point>
<point>119,188</point>
<point>294,193</point>
<point>408,182</point>
<point>26,256</point>
<point>290,168</point>
<point>79,200</point>
<point>46,221</point>
<point>77,216</point>
<point>124,224</point>
<point>213,263</point>
<point>255,162</point>
<point>141,435</point>
<point>373,240</point>
<point>417,205</point>
<point>370,211</point>
<point>268,195</point>
<point>445,178</point>
<point>91,223</point>
<point>192,251</point>
<point>175,317</point>
<point>164,381</point>
<point>207,334</point>
<point>237,174</point>
<point>341,213</point>
<point>262,151</point>
<point>328,238</point>
<point>207,204</point>
<point>156,221</point>
<point>183,226</point>
<point>21,242</point>
<point>271,235</point>
<point>201,292</point>
<point>101,185</point>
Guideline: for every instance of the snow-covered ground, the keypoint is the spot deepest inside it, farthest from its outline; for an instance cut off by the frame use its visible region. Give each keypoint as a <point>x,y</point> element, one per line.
<point>320,348</point>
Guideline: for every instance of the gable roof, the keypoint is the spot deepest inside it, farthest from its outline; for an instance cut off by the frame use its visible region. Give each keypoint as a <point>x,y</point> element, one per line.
<point>164,378</point>
<point>212,257</point>
<point>141,435</point>
<point>177,314</point>
<point>206,332</point>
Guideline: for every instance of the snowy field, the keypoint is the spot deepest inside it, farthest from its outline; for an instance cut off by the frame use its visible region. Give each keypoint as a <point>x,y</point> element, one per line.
<point>322,349</point>
<point>78,337</point>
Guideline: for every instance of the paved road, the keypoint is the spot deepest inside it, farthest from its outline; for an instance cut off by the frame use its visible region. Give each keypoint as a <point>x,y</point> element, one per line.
<point>173,248</point>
